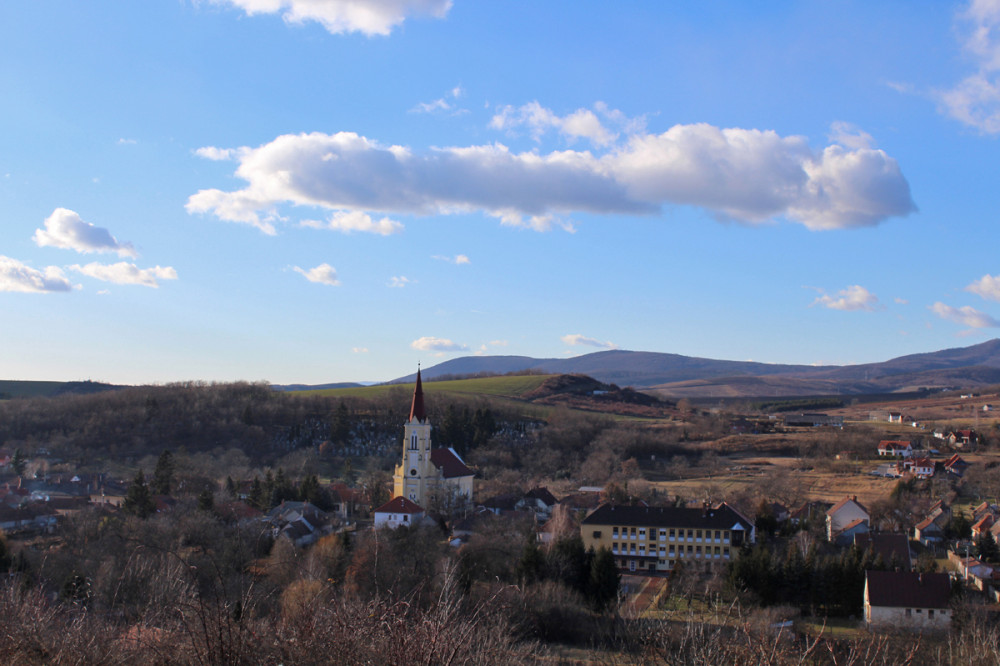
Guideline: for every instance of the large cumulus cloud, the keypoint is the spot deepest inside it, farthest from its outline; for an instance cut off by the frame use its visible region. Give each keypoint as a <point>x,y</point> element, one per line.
<point>746,175</point>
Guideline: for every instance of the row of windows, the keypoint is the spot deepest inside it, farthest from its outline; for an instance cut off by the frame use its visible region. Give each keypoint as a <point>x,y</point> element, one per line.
<point>665,533</point>
<point>930,612</point>
<point>696,551</point>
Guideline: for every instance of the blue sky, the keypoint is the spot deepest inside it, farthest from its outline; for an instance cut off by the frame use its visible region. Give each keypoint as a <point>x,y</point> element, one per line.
<point>313,191</point>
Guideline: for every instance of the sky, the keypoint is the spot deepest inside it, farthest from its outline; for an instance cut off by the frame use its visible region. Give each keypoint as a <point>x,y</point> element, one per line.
<point>312,191</point>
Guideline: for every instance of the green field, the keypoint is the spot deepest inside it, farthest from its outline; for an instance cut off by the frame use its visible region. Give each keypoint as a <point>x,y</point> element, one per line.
<point>500,387</point>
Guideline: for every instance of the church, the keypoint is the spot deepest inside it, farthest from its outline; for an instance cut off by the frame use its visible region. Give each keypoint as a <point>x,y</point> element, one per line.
<point>435,479</point>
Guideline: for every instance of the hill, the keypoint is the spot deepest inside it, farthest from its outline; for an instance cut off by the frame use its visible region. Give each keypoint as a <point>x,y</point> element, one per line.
<point>674,375</point>
<point>29,389</point>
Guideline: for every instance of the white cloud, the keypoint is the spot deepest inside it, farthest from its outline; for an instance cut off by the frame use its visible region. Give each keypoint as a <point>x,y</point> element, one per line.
<point>437,345</point>
<point>740,174</point>
<point>370,17</point>
<point>322,274</point>
<point>65,229</point>
<point>399,281</point>
<point>577,339</point>
<point>127,142</point>
<point>126,273</point>
<point>441,104</point>
<point>987,286</point>
<point>538,120</point>
<point>16,276</point>
<point>350,221</point>
<point>458,259</point>
<point>850,136</point>
<point>967,316</point>
<point>901,301</point>
<point>854,297</point>
<point>975,100</point>
<point>217,154</point>
<point>486,346</point>
<point>359,350</point>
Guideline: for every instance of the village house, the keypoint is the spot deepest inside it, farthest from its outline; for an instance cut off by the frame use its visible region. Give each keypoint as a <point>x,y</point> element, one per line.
<point>894,549</point>
<point>845,519</point>
<point>398,512</point>
<point>910,600</point>
<point>899,448</point>
<point>653,539</point>
<point>932,528</point>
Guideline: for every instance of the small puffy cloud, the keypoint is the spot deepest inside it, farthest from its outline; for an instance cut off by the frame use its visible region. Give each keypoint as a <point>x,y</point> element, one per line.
<point>399,281</point>
<point>458,259</point>
<point>486,346</point>
<point>975,100</point>
<point>855,297</point>
<point>322,274</point>
<point>351,221</point>
<point>987,286</point>
<point>359,350</point>
<point>433,344</point>
<point>65,229</point>
<point>901,301</point>
<point>369,17</point>
<point>967,316</point>
<point>738,174</point>
<point>16,276</point>
<point>127,142</point>
<point>126,273</point>
<point>217,154</point>
<point>577,339</point>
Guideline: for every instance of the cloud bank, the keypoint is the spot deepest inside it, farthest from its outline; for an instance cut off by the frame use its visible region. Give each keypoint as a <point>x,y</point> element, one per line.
<point>65,229</point>
<point>746,175</point>
<point>16,276</point>
<point>369,17</point>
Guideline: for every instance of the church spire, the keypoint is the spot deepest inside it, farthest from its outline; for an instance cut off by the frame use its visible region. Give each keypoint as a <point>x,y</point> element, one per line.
<point>417,408</point>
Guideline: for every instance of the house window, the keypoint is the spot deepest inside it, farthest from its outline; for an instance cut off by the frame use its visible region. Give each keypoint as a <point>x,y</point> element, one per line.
<point>614,532</point>
<point>697,550</point>
<point>663,535</point>
<point>405,518</point>
<point>671,550</point>
<point>930,613</point>
<point>632,532</point>
<point>697,535</point>
<point>672,533</point>
<point>597,534</point>
<point>718,535</point>
<point>614,548</point>
<point>652,533</point>
<point>642,532</point>
<point>689,550</point>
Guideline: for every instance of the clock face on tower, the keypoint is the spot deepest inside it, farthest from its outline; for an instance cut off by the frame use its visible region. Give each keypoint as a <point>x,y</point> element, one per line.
<point>413,472</point>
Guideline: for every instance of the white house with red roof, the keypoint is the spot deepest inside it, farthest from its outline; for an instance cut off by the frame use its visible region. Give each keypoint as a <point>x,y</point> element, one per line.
<point>398,512</point>
<point>847,513</point>
<point>429,477</point>
<point>900,448</point>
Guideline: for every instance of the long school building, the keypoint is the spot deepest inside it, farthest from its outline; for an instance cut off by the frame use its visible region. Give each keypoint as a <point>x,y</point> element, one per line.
<point>654,539</point>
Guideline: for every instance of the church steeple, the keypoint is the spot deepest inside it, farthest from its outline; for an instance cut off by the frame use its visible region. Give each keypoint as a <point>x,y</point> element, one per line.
<point>417,408</point>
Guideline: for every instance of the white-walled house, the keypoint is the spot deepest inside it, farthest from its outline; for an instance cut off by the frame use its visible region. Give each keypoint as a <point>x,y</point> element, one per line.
<point>844,513</point>
<point>398,512</point>
<point>907,599</point>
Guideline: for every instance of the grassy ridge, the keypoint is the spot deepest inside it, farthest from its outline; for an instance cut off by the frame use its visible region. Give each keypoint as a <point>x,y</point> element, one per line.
<point>501,387</point>
<point>10,388</point>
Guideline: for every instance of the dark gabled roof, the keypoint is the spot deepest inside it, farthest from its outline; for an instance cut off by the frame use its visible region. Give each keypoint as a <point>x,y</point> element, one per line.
<point>543,495</point>
<point>887,545</point>
<point>721,517</point>
<point>400,505</point>
<point>501,502</point>
<point>908,589</point>
<point>842,503</point>
<point>449,463</point>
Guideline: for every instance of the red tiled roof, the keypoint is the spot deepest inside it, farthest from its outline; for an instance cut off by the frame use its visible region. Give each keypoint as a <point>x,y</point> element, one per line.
<point>400,505</point>
<point>905,589</point>
<point>449,463</point>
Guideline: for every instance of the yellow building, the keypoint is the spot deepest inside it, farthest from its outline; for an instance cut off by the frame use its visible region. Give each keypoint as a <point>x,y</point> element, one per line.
<point>654,539</point>
<point>435,479</point>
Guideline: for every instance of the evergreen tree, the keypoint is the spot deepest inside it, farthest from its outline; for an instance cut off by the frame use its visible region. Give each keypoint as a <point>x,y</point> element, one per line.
<point>206,501</point>
<point>604,579</point>
<point>230,486</point>
<point>139,501</point>
<point>986,547</point>
<point>163,474</point>
<point>257,494</point>
<point>18,462</point>
<point>531,566</point>
<point>340,430</point>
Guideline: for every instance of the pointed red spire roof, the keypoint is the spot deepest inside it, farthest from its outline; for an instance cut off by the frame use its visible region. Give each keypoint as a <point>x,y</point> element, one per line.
<point>417,408</point>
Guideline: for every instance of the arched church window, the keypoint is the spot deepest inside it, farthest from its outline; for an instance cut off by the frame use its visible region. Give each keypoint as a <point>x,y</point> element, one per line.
<point>413,442</point>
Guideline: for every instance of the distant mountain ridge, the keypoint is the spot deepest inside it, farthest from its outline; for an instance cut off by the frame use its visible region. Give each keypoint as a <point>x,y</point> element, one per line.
<point>686,376</point>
